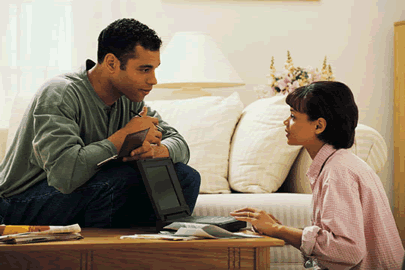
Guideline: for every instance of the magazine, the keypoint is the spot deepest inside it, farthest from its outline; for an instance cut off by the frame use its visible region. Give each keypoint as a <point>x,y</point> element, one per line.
<point>34,234</point>
<point>16,229</point>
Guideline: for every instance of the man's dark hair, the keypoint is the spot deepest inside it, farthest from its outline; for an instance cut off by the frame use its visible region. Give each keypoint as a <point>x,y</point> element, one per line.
<point>334,102</point>
<point>121,37</point>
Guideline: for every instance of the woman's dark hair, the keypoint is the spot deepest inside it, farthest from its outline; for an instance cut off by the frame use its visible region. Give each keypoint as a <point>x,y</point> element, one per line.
<point>121,37</point>
<point>334,102</point>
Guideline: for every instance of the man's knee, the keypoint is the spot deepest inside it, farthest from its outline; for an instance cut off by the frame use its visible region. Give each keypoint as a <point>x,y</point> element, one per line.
<point>118,175</point>
<point>187,174</point>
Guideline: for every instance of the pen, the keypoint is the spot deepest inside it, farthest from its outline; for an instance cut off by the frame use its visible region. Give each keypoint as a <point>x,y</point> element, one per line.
<point>158,127</point>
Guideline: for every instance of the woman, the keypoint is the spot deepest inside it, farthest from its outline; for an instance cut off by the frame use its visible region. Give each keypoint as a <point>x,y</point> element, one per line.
<point>352,224</point>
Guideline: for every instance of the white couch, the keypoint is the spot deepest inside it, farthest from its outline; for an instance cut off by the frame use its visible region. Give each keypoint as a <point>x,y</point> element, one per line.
<point>242,156</point>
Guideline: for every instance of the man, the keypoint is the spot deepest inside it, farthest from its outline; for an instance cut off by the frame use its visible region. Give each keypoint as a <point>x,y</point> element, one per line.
<point>50,175</point>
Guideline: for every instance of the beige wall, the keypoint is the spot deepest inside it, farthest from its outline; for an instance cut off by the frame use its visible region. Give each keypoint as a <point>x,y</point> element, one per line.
<point>356,36</point>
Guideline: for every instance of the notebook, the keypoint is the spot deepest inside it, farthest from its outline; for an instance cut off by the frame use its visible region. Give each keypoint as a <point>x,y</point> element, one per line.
<point>166,196</point>
<point>131,142</point>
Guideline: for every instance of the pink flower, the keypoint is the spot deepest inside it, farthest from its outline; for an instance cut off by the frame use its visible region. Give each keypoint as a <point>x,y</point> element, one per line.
<point>310,69</point>
<point>281,84</point>
<point>317,77</point>
<point>287,79</point>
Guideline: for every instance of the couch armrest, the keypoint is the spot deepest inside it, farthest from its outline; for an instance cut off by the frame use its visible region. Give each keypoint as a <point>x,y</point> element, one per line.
<point>3,142</point>
<point>296,180</point>
<point>369,145</point>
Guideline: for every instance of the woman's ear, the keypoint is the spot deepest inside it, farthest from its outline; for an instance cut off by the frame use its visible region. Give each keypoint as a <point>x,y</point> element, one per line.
<point>320,125</point>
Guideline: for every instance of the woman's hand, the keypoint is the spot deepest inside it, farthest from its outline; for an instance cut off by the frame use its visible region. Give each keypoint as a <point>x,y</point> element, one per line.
<point>262,222</point>
<point>265,223</point>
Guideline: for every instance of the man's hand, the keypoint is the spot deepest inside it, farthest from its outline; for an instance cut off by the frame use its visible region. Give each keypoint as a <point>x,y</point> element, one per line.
<point>136,124</point>
<point>154,136</point>
<point>147,151</point>
<point>151,148</point>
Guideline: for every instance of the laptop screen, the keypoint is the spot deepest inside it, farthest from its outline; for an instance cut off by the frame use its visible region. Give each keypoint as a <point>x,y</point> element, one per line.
<point>159,180</point>
<point>163,187</point>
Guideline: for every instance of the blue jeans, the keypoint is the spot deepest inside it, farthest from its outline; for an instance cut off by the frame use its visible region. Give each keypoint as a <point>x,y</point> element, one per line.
<point>114,197</point>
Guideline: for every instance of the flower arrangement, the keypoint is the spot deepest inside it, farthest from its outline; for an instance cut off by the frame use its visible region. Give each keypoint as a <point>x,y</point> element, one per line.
<point>293,77</point>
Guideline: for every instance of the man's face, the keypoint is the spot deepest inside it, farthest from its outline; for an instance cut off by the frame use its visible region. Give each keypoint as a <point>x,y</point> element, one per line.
<point>137,80</point>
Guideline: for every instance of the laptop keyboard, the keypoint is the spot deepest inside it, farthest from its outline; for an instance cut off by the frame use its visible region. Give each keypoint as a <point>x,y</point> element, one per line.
<point>209,219</point>
<point>228,223</point>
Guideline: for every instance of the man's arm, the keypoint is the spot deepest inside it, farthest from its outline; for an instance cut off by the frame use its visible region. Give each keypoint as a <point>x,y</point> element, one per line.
<point>60,151</point>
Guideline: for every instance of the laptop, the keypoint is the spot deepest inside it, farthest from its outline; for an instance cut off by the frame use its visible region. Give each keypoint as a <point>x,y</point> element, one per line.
<point>166,196</point>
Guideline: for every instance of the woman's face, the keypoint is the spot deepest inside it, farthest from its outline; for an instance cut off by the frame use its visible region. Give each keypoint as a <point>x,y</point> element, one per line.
<point>300,131</point>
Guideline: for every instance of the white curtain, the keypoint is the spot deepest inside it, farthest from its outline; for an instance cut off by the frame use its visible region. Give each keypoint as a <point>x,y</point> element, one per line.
<point>43,38</point>
<point>37,43</point>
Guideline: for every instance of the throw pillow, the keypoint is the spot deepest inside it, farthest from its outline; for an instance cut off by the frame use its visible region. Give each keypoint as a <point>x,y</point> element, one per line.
<point>260,157</point>
<point>207,124</point>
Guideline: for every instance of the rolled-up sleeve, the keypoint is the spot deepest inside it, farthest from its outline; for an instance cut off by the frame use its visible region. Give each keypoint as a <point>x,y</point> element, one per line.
<point>309,235</point>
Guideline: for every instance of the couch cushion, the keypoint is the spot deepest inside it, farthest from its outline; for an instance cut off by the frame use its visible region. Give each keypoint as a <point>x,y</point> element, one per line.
<point>3,139</point>
<point>20,105</point>
<point>207,124</point>
<point>260,157</point>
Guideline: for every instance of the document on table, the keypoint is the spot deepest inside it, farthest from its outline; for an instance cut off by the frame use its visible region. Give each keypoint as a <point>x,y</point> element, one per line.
<point>160,236</point>
<point>191,231</point>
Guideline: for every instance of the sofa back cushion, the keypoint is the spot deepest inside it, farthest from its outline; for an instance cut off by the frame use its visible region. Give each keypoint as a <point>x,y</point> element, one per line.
<point>207,124</point>
<point>20,105</point>
<point>260,157</point>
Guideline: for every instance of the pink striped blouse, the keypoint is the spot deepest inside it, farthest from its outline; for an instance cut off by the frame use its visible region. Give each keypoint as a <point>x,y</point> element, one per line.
<point>352,223</point>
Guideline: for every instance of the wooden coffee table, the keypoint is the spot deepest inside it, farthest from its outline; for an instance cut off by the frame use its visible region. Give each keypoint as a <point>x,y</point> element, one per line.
<point>102,249</point>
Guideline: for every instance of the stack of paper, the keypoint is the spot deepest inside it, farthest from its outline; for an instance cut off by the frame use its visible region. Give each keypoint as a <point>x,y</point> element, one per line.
<point>191,231</point>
